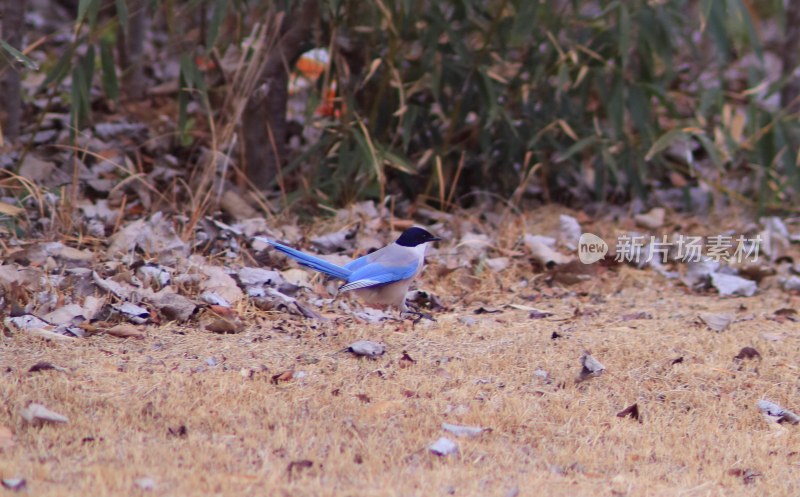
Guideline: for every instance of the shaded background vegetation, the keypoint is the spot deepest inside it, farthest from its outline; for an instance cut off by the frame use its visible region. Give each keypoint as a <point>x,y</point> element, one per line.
<point>674,101</point>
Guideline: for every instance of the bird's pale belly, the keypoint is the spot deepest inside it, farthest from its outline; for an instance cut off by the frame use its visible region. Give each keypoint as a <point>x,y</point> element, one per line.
<point>391,294</point>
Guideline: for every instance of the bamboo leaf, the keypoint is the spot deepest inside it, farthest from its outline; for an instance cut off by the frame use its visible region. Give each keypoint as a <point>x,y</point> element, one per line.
<point>87,7</point>
<point>60,70</point>
<point>187,77</point>
<point>665,141</point>
<point>122,15</point>
<point>220,6</point>
<point>395,161</point>
<point>19,56</point>
<point>752,34</point>
<point>624,33</point>
<point>83,7</point>
<point>110,83</point>
<point>88,66</point>
<point>710,149</point>
<point>576,148</point>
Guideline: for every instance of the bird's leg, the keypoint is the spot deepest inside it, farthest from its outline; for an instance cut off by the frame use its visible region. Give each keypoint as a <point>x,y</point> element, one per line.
<point>415,311</point>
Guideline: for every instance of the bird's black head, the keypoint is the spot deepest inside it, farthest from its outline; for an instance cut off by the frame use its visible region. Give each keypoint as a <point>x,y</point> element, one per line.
<point>415,236</point>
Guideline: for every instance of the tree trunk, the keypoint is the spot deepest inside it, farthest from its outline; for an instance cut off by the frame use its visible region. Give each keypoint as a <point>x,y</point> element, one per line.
<point>13,27</point>
<point>134,73</point>
<point>264,118</point>
<point>791,46</point>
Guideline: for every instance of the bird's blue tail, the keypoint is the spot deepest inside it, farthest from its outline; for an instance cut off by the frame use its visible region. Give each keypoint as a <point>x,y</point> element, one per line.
<point>311,261</point>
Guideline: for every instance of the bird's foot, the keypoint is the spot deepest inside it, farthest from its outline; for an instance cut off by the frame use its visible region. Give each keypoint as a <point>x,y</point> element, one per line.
<point>419,316</point>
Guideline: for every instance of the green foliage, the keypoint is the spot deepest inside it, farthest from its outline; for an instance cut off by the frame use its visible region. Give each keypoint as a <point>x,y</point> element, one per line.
<point>191,80</point>
<point>590,99</point>
<point>595,92</point>
<point>16,56</point>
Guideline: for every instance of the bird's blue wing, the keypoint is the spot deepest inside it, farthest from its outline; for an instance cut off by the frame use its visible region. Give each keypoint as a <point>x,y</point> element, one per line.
<point>375,274</point>
<point>358,263</point>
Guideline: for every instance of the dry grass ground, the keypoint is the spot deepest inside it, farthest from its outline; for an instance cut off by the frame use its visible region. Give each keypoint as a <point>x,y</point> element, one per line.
<point>365,424</point>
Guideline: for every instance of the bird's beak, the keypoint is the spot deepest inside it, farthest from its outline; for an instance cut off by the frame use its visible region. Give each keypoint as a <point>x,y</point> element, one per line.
<point>435,239</point>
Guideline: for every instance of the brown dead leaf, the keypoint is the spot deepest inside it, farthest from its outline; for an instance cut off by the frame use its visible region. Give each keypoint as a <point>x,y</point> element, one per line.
<point>587,312</point>
<point>748,476</point>
<point>224,326</point>
<point>225,312</point>
<point>406,361</point>
<point>402,224</point>
<point>747,353</point>
<point>125,331</point>
<point>785,314</point>
<point>282,377</point>
<point>637,315</point>
<point>10,210</point>
<point>677,180</point>
<point>363,398</point>
<point>632,411</point>
<point>296,466</point>
<point>178,431</point>
<point>44,366</point>
<point>572,273</point>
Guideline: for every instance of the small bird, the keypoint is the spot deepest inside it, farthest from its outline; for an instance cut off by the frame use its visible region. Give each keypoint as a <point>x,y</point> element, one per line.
<point>379,278</point>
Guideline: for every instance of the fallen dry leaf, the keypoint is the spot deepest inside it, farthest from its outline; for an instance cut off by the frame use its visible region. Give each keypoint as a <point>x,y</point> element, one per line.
<point>747,353</point>
<point>543,253</point>
<point>296,466</point>
<point>464,431</point>
<point>636,316</point>
<point>775,413</point>
<point>653,219</point>
<point>145,483</point>
<point>45,366</point>
<point>716,321</point>
<point>406,361</point>
<point>443,447</point>
<point>282,377</point>
<point>569,231</point>
<point>366,348</point>
<point>632,411</point>
<point>590,368</point>
<point>748,475</point>
<point>785,314</point>
<point>537,314</point>
<point>14,484</point>
<point>37,414</point>
<point>572,273</point>
<point>125,331</point>
<point>729,284</point>
<point>178,431</point>
<point>224,326</point>
<point>498,264</point>
<point>10,210</point>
